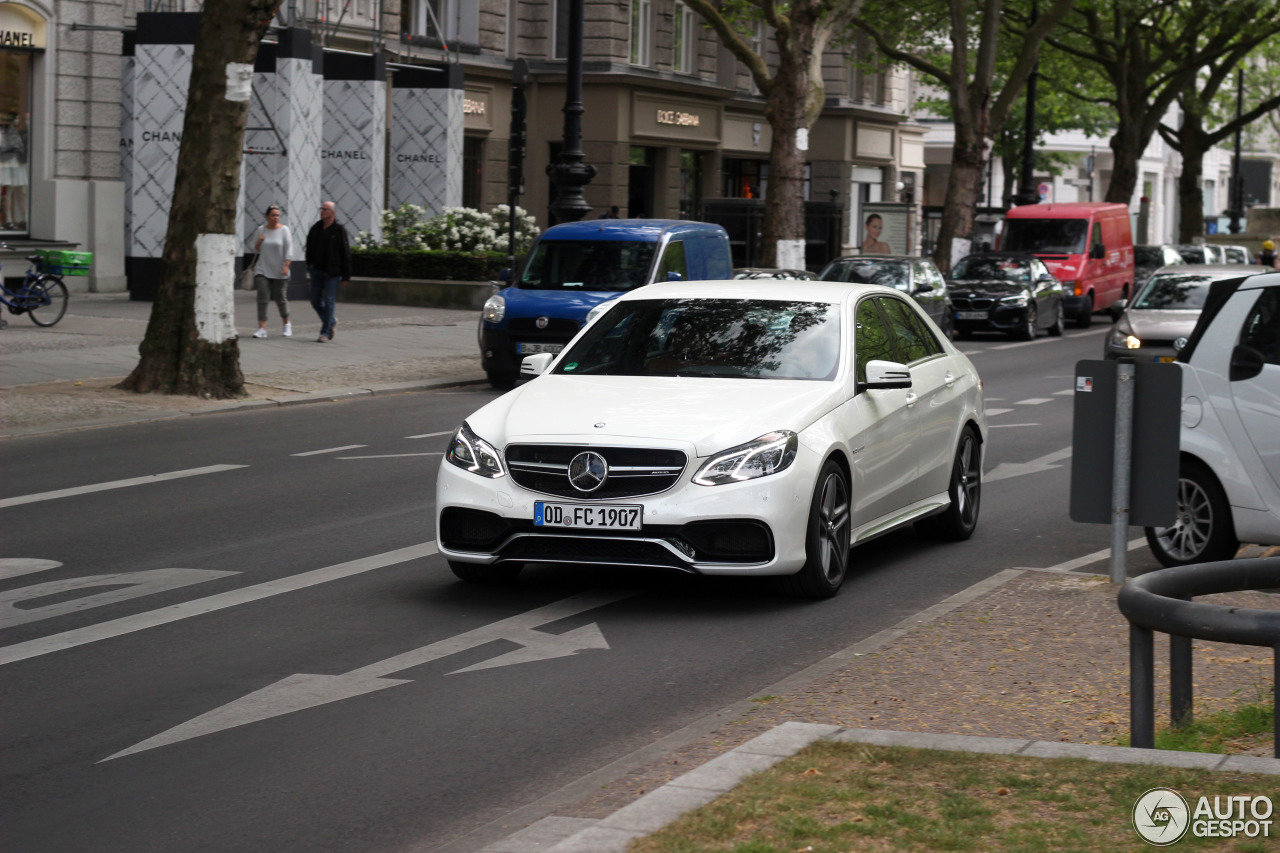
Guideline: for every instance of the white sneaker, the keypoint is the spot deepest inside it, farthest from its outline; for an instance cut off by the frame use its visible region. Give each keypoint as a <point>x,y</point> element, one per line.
<point>288,329</point>
<point>261,333</point>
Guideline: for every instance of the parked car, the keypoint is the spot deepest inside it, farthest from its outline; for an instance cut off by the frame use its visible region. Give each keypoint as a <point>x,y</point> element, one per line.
<point>721,428</point>
<point>916,277</point>
<point>1202,253</point>
<point>1164,312</point>
<point>575,266</point>
<point>1229,471</point>
<point>1237,254</point>
<point>1006,292</point>
<point>778,274</point>
<point>1087,245</point>
<point>1148,259</point>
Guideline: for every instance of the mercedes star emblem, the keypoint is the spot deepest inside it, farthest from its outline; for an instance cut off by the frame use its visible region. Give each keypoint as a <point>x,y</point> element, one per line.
<point>587,471</point>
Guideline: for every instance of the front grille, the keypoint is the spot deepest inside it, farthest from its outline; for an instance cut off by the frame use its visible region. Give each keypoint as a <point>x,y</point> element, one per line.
<point>633,471</point>
<point>578,549</point>
<point>964,303</point>
<point>557,330</point>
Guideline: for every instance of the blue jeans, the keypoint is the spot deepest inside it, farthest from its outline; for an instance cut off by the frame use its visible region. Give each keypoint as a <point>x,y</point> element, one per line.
<point>324,296</point>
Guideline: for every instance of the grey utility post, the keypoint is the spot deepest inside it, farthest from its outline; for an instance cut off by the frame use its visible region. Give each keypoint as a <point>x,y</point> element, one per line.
<point>1123,458</point>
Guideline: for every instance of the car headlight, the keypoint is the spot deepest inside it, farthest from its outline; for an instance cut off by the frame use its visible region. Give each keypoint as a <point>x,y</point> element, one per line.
<point>495,308</point>
<point>598,310</point>
<point>472,453</point>
<point>768,454</point>
<point>1019,301</point>
<point>1122,337</point>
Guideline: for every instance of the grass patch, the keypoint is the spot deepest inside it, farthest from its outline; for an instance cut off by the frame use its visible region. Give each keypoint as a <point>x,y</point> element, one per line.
<point>1244,729</point>
<point>837,798</point>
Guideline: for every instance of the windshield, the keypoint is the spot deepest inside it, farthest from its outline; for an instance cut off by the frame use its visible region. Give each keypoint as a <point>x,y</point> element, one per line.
<point>615,265</point>
<point>1044,236</point>
<point>1194,255</point>
<point>868,271</point>
<point>978,268</point>
<point>1170,291</point>
<point>740,338</point>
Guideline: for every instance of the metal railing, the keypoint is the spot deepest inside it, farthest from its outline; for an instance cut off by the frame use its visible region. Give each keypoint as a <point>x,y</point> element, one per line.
<point>1161,601</point>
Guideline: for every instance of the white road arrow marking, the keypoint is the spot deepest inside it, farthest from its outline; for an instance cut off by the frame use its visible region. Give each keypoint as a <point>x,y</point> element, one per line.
<point>1008,470</point>
<point>302,691</point>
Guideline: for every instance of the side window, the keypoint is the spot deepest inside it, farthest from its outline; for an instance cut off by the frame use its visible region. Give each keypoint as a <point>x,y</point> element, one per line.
<point>935,277</point>
<point>673,261</point>
<point>871,338</point>
<point>1097,236</point>
<point>1262,327</point>
<point>906,331</point>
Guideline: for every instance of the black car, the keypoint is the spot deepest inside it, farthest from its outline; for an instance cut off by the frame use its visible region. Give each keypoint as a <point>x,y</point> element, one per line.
<point>914,276</point>
<point>1005,292</point>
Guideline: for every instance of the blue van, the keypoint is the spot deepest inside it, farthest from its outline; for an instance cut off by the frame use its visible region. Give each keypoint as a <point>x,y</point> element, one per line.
<point>573,267</point>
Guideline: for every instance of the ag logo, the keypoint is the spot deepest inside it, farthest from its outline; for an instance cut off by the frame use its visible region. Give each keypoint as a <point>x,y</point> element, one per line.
<point>1161,816</point>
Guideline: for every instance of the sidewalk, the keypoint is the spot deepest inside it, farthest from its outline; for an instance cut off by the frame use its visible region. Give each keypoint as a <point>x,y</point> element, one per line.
<point>1033,660</point>
<point>61,377</point>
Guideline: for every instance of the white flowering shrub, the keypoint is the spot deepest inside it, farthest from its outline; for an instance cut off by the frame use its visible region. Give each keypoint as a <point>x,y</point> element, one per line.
<point>458,229</point>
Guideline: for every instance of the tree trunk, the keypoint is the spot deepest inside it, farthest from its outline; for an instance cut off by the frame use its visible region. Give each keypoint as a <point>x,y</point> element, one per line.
<point>784,200</point>
<point>1127,145</point>
<point>190,345</point>
<point>955,233</point>
<point>1193,143</point>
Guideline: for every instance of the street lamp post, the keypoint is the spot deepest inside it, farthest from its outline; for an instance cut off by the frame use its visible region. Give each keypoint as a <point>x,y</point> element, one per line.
<point>1028,193</point>
<point>1236,200</point>
<point>570,173</point>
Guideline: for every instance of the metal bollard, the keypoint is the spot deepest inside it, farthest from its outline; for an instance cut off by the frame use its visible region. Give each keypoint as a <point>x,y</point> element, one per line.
<point>1142,687</point>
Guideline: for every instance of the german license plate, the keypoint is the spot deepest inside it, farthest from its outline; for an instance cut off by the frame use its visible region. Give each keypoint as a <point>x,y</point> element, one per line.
<point>611,517</point>
<point>971,315</point>
<point>529,349</point>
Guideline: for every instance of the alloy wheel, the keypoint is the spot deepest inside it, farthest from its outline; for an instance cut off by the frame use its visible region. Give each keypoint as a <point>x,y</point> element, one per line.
<point>833,527</point>
<point>1187,538</point>
<point>968,481</point>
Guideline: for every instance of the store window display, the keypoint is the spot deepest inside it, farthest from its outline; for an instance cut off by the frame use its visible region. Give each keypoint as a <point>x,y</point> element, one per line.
<point>13,173</point>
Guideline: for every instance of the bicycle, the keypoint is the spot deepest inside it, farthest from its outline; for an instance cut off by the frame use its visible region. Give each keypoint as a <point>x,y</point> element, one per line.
<point>42,297</point>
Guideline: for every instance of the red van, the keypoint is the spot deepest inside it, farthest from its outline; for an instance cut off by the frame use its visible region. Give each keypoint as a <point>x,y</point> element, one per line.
<point>1087,245</point>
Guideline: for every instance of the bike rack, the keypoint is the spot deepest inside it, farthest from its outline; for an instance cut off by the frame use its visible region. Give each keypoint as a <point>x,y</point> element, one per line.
<point>1161,601</point>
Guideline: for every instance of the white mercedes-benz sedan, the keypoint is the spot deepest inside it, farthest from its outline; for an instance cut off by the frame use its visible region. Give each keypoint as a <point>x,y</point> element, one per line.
<point>733,427</point>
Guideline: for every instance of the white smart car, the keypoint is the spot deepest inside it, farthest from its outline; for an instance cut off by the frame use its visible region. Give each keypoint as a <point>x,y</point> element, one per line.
<point>1229,476</point>
<point>732,427</point>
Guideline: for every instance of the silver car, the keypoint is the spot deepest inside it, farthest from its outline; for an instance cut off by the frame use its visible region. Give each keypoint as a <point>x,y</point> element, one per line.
<point>1164,312</point>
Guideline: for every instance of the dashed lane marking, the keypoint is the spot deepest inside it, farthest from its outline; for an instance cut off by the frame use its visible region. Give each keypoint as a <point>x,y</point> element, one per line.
<point>1034,401</point>
<point>115,484</point>
<point>431,434</point>
<point>330,450</point>
<point>393,455</point>
<point>994,412</point>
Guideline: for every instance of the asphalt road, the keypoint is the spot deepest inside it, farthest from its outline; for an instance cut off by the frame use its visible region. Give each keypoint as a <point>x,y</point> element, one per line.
<point>266,654</point>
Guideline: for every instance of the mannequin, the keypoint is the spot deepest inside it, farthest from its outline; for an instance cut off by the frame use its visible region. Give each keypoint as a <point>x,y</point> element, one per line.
<point>13,172</point>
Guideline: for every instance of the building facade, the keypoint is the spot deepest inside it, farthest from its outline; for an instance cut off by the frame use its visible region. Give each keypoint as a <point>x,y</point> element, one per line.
<point>672,123</point>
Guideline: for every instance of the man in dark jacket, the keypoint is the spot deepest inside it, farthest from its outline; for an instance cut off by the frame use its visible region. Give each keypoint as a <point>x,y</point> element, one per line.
<point>328,263</point>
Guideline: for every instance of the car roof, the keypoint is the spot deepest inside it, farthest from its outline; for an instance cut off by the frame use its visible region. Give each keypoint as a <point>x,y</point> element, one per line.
<point>1215,270</point>
<point>648,230</point>
<point>878,257</point>
<point>1011,256</point>
<point>769,289</point>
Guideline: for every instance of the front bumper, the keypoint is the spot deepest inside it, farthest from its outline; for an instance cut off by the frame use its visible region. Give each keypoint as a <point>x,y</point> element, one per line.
<point>999,319</point>
<point>1074,306</point>
<point>498,347</point>
<point>756,527</point>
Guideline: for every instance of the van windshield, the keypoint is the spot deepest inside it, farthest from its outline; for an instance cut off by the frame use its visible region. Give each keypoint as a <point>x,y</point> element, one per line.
<point>1045,236</point>
<point>615,265</point>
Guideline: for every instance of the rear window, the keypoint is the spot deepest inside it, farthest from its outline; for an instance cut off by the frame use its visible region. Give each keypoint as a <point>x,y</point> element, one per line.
<point>1148,256</point>
<point>1045,236</point>
<point>868,271</point>
<point>611,265</point>
<point>982,268</point>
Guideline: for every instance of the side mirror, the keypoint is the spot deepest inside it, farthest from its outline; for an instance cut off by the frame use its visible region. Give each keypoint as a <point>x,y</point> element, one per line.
<point>674,276</point>
<point>1246,363</point>
<point>886,375</point>
<point>537,364</point>
<point>924,288</point>
<point>1117,310</point>
<point>1098,252</point>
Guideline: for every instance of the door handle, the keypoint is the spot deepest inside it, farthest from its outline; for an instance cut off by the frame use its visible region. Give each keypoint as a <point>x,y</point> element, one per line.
<point>911,399</point>
<point>950,379</point>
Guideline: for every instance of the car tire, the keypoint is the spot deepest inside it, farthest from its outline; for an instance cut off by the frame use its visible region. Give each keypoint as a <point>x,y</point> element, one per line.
<point>1203,531</point>
<point>476,573</point>
<point>948,326</point>
<point>1085,318</point>
<point>1027,331</point>
<point>827,538</point>
<point>1055,331</point>
<point>503,380</point>
<point>960,519</point>
<point>964,334</point>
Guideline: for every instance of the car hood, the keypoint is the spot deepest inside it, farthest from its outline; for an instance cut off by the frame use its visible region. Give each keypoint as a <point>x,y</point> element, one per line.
<point>712,414</point>
<point>1163,325</point>
<point>984,287</point>
<point>561,304</point>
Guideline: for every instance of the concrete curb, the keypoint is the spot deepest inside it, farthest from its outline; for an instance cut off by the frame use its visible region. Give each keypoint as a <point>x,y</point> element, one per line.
<point>715,778</point>
<point>327,395</point>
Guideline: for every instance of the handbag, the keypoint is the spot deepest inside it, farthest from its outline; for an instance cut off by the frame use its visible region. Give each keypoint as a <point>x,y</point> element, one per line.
<point>246,275</point>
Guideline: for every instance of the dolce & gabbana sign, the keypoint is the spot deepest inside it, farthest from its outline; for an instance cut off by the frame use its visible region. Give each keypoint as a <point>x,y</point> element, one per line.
<point>679,118</point>
<point>664,117</point>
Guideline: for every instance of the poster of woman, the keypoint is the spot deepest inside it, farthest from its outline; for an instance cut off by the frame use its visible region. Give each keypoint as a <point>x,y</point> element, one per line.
<point>871,242</point>
<point>887,229</point>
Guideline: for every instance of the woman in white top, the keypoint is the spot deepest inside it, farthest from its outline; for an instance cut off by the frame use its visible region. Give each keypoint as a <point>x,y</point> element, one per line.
<point>274,245</point>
